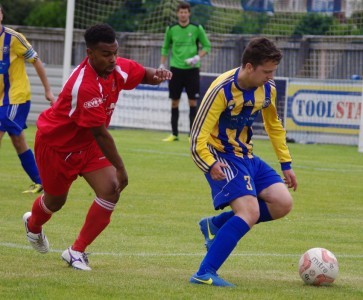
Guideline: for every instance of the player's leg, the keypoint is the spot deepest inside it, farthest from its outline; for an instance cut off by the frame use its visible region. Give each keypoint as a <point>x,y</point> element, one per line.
<point>19,143</point>
<point>103,182</point>
<point>209,226</point>
<point>192,112</point>
<point>175,116</point>
<point>238,191</point>
<point>58,171</point>
<point>278,201</point>
<point>27,160</point>
<point>42,210</point>
<point>192,88</point>
<point>1,134</point>
<point>15,123</point>
<point>55,170</point>
<point>98,217</point>
<point>274,201</point>
<point>101,176</point>
<point>246,214</point>
<point>175,90</point>
<point>274,198</point>
<point>3,120</point>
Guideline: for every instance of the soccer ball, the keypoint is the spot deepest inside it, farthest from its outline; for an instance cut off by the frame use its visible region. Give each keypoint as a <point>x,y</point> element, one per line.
<point>318,266</point>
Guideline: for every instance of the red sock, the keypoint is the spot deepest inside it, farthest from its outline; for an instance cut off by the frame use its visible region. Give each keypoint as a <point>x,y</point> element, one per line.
<point>40,215</point>
<point>98,217</point>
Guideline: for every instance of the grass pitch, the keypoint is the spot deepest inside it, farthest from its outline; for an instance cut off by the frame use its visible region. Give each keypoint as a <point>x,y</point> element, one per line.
<point>153,244</point>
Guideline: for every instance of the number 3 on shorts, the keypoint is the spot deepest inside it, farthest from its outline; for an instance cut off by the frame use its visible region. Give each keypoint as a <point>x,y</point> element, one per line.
<point>248,182</point>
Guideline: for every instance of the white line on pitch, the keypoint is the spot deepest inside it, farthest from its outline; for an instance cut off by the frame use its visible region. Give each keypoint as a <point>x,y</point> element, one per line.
<point>146,254</point>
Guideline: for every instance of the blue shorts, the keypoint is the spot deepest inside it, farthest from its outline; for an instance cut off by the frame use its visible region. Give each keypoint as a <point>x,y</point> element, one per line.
<point>13,118</point>
<point>245,176</point>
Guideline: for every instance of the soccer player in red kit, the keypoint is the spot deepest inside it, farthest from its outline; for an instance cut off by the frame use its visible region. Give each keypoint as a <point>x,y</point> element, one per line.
<point>72,140</point>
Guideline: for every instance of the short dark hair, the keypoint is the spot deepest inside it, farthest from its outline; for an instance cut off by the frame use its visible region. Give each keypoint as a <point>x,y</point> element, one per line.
<point>260,50</point>
<point>100,33</point>
<point>183,5</point>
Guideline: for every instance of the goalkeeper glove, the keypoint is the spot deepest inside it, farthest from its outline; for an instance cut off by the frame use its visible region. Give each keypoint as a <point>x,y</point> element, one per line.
<point>193,60</point>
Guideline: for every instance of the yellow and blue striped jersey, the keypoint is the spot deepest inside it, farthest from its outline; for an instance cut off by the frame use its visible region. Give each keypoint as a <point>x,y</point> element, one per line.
<point>14,82</point>
<point>225,117</point>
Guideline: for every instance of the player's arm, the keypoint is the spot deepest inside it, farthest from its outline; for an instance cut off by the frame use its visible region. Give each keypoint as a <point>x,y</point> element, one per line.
<point>156,76</point>
<point>165,48</point>
<point>277,135</point>
<point>108,147</point>
<point>163,61</point>
<point>290,179</point>
<point>206,45</point>
<point>38,65</point>
<point>24,49</point>
<point>207,117</point>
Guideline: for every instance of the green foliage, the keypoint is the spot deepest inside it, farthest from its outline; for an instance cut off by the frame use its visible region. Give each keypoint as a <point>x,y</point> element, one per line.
<point>201,14</point>
<point>131,15</point>
<point>356,22</point>
<point>237,22</point>
<point>314,24</point>
<point>48,14</point>
<point>155,15</point>
<point>250,23</point>
<point>153,244</point>
<point>344,29</point>
<point>16,11</point>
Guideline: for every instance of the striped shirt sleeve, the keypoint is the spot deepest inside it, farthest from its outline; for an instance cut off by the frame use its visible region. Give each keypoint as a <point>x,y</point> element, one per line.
<point>275,129</point>
<point>207,117</point>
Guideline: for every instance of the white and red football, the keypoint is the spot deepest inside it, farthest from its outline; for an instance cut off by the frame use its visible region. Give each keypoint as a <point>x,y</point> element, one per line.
<point>318,266</point>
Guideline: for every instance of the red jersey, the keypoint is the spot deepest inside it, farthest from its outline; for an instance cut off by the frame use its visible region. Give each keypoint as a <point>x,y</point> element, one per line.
<point>86,101</point>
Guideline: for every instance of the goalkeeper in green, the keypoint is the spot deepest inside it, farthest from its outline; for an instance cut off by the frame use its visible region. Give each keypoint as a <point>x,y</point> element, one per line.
<point>188,42</point>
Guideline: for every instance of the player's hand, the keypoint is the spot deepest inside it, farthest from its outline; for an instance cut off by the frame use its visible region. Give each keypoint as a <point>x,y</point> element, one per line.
<point>50,97</point>
<point>290,179</point>
<point>193,60</point>
<point>216,172</point>
<point>161,75</point>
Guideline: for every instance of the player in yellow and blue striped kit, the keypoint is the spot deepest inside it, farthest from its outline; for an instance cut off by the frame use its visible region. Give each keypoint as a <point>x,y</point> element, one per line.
<point>15,95</point>
<point>221,147</point>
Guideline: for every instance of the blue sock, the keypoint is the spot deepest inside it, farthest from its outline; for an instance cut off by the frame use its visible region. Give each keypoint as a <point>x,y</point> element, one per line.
<point>264,213</point>
<point>222,218</point>
<point>29,165</point>
<point>225,241</point>
<point>219,220</point>
<point>265,216</point>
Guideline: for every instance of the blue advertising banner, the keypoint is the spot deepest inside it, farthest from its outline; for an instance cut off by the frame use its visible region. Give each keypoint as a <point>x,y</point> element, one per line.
<point>258,5</point>
<point>323,5</point>
<point>204,2</point>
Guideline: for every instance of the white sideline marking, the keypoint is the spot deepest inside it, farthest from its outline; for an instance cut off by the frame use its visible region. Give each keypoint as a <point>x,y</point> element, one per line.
<point>145,254</point>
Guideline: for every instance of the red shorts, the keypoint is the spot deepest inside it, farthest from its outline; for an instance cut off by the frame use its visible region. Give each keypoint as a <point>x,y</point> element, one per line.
<point>59,169</point>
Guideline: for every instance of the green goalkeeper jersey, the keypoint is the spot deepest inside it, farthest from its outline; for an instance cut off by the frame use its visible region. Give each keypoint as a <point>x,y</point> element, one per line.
<point>184,43</point>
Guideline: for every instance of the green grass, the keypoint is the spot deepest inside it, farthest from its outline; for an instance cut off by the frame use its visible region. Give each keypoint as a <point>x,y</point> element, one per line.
<point>153,244</point>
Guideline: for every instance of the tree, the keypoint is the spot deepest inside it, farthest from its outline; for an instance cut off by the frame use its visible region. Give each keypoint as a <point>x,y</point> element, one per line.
<point>314,24</point>
<point>16,11</point>
<point>48,14</point>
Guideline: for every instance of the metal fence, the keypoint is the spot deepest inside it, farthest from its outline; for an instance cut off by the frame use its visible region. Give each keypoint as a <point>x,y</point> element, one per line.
<point>322,57</point>
<point>312,57</point>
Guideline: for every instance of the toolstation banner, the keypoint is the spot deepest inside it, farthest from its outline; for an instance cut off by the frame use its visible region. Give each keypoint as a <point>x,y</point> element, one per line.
<point>315,106</point>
